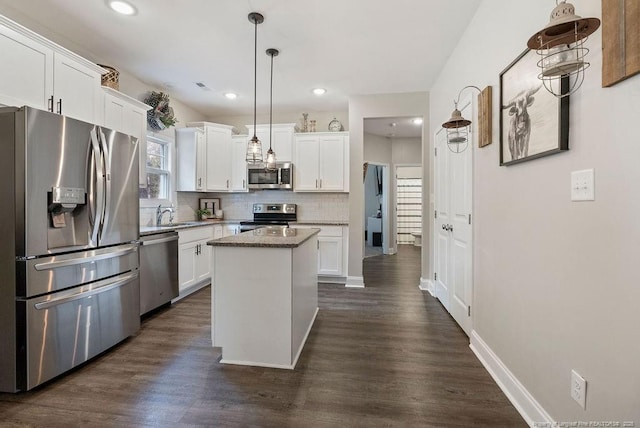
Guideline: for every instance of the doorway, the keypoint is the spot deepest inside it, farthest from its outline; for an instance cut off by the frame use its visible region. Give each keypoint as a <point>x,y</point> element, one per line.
<point>376,232</point>
<point>409,205</point>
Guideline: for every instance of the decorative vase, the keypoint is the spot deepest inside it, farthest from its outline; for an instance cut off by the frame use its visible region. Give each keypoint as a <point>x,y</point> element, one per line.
<point>305,122</point>
<point>312,125</point>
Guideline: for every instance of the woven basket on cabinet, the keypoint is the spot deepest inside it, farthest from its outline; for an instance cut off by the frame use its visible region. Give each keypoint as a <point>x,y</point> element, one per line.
<point>110,78</point>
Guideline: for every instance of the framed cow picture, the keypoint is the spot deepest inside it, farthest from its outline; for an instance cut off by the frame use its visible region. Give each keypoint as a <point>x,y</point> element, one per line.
<point>533,122</point>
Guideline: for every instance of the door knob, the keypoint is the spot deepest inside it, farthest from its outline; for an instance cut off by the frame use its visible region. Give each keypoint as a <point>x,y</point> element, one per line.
<point>444,227</point>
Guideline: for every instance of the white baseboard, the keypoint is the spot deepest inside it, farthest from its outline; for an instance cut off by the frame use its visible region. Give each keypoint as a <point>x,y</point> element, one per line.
<point>427,285</point>
<point>355,282</point>
<point>521,399</point>
<point>184,293</point>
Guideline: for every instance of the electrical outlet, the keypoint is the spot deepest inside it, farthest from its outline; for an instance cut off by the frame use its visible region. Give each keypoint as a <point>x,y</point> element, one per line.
<point>582,185</point>
<point>579,389</point>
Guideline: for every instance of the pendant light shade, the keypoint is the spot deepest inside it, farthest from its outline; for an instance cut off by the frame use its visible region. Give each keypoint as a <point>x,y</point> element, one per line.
<point>271,155</point>
<point>560,46</point>
<point>457,127</point>
<point>254,147</point>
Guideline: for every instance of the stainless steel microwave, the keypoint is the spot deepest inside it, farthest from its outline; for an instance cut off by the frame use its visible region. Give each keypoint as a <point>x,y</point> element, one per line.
<point>261,178</point>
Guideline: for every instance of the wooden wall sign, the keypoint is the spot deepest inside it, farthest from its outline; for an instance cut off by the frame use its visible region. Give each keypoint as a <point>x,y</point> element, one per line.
<point>484,117</point>
<point>620,40</point>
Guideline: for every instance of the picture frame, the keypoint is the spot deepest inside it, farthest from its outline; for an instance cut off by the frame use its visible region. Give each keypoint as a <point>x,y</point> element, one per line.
<point>211,204</point>
<point>533,122</point>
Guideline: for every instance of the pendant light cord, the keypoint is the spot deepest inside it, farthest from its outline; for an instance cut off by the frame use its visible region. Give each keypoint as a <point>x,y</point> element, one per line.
<point>255,74</point>
<point>271,102</point>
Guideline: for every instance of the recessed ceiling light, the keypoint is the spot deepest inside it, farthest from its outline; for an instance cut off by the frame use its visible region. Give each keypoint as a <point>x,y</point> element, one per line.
<point>417,121</point>
<point>319,91</point>
<point>231,95</point>
<point>122,7</point>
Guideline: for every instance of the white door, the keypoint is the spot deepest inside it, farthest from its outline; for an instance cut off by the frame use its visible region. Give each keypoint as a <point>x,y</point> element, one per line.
<point>442,220</point>
<point>186,265</point>
<point>218,159</point>
<point>29,78</point>
<point>329,255</point>
<point>331,153</point>
<point>239,164</point>
<point>453,230</point>
<point>306,165</point>
<point>76,90</point>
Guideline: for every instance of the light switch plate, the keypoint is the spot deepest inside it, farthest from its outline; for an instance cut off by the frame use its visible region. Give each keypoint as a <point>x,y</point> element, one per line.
<point>582,185</point>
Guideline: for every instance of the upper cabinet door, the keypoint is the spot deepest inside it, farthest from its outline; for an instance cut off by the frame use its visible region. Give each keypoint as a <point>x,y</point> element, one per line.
<point>26,74</point>
<point>218,158</point>
<point>77,90</point>
<point>332,162</point>
<point>239,164</point>
<point>306,165</point>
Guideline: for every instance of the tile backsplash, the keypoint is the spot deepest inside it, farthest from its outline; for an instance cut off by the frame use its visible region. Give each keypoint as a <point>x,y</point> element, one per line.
<point>238,206</point>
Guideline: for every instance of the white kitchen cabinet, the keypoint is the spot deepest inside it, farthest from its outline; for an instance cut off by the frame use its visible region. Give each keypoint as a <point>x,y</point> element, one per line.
<point>128,115</point>
<point>231,229</point>
<point>191,153</point>
<point>281,142</point>
<point>194,258</point>
<point>239,163</point>
<point>213,155</point>
<point>76,89</point>
<point>332,249</point>
<point>321,162</point>
<point>44,75</point>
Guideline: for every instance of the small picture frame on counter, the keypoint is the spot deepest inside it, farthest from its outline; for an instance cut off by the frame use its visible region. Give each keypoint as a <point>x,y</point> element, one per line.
<point>210,204</point>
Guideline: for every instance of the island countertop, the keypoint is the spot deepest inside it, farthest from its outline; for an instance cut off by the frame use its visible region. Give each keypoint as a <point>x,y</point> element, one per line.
<point>264,237</point>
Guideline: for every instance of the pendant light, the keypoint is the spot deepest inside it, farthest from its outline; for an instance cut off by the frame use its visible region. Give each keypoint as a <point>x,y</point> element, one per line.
<point>254,147</point>
<point>560,46</point>
<point>271,155</point>
<point>458,127</point>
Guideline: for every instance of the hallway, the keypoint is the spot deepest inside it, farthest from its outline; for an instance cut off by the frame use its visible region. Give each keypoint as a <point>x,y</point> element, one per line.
<point>388,355</point>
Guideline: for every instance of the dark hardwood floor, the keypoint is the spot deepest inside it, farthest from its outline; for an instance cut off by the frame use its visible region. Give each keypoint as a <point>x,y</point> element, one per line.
<point>386,355</point>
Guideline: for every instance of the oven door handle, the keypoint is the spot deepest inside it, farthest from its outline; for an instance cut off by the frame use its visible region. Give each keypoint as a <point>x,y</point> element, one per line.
<point>101,287</point>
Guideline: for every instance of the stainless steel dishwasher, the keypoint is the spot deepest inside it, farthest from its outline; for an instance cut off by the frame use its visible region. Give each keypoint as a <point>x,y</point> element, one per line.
<point>158,270</point>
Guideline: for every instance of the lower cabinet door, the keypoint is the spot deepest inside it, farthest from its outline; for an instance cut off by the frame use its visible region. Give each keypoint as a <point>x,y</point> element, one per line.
<point>187,264</point>
<point>329,255</point>
<point>203,261</point>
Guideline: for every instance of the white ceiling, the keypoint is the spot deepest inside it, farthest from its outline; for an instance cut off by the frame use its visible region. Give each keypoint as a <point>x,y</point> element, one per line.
<point>349,47</point>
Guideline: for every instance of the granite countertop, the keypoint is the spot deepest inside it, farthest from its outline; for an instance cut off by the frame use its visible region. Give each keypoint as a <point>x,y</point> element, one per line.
<point>265,237</point>
<point>320,223</point>
<point>152,230</point>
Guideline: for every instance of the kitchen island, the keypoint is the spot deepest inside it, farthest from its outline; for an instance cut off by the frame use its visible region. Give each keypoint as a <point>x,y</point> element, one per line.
<point>264,295</point>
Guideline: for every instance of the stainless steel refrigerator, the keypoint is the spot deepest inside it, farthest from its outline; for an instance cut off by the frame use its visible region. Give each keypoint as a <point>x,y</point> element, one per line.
<point>69,232</point>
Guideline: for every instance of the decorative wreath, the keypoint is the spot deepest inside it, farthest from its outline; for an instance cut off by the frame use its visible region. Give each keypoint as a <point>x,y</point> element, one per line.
<point>161,115</point>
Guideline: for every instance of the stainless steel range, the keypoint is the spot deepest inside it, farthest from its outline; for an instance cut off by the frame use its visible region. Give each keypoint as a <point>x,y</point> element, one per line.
<point>270,215</point>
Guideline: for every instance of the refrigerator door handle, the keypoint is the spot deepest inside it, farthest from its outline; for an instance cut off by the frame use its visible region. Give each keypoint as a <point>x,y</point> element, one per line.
<point>85,258</point>
<point>106,156</point>
<point>96,196</point>
<point>99,287</point>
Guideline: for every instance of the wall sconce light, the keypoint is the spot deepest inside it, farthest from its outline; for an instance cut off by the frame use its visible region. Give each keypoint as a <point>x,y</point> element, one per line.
<point>560,46</point>
<point>457,127</point>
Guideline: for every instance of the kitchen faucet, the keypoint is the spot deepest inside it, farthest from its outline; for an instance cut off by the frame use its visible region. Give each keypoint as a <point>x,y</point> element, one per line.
<point>160,212</point>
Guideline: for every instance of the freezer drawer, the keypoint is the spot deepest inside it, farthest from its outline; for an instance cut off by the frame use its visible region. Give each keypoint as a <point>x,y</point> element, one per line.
<point>53,273</point>
<point>65,329</point>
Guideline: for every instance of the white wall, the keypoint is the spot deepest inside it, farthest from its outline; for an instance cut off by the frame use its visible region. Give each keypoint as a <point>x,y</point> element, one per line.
<point>377,149</point>
<point>415,104</point>
<point>406,150</point>
<point>556,283</point>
